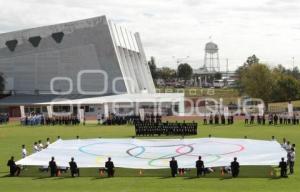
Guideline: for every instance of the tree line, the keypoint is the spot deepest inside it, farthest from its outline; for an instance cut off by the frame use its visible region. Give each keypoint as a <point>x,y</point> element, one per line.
<point>183,72</point>
<point>271,84</point>
<point>255,79</point>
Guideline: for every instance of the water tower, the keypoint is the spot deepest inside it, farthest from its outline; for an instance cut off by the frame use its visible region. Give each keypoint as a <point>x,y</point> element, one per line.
<point>211,58</point>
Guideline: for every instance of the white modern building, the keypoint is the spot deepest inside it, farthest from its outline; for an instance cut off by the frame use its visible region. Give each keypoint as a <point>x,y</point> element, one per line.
<point>86,60</point>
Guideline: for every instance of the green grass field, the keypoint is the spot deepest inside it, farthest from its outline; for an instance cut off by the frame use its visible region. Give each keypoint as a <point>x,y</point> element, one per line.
<point>227,94</point>
<point>12,136</point>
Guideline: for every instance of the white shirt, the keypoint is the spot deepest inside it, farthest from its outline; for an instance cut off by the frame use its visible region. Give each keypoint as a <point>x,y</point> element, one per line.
<point>293,156</point>
<point>41,146</point>
<point>24,153</point>
<point>35,149</point>
<point>284,145</point>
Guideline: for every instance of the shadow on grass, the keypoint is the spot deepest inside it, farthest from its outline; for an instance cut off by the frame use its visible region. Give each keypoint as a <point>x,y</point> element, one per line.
<point>54,178</point>
<point>226,178</point>
<point>202,177</point>
<point>276,178</point>
<point>97,178</point>
<point>40,178</point>
<point>249,125</point>
<point>166,177</point>
<point>66,177</point>
<point>192,177</point>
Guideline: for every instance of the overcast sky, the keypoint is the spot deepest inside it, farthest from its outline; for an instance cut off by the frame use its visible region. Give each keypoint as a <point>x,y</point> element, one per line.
<point>268,28</point>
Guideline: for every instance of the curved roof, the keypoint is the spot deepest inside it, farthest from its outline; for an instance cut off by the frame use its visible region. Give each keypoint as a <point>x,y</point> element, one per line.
<point>211,47</point>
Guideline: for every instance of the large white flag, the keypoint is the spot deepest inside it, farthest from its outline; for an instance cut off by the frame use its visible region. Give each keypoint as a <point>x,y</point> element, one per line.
<point>156,153</point>
<point>81,115</point>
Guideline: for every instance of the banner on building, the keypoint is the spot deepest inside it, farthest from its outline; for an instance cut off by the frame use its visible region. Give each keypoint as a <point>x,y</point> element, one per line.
<point>290,109</point>
<point>50,111</point>
<point>142,114</point>
<point>261,107</point>
<point>81,115</point>
<point>22,109</point>
<point>226,111</point>
<point>106,110</point>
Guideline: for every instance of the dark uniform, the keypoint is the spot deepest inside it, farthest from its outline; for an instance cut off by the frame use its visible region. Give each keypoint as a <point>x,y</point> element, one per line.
<point>235,168</point>
<point>13,168</point>
<point>73,167</point>
<point>275,119</point>
<point>155,128</point>
<point>174,167</point>
<point>283,168</point>
<point>205,120</point>
<point>53,167</point>
<point>200,167</point>
<point>109,165</point>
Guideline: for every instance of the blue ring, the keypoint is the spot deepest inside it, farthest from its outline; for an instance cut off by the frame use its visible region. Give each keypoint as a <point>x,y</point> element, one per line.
<point>83,151</point>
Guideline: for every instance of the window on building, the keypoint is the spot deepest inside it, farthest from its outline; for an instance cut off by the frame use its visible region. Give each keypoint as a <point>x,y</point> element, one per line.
<point>12,44</point>
<point>58,37</point>
<point>35,41</point>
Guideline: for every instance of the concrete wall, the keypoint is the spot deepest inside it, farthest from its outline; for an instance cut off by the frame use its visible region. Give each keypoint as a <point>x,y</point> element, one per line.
<point>86,45</point>
<point>132,60</point>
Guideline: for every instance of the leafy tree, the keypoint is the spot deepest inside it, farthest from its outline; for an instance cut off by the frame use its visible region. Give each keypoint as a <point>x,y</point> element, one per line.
<point>2,82</point>
<point>279,69</point>
<point>278,84</point>
<point>252,60</point>
<point>294,72</point>
<point>184,71</point>
<point>218,76</point>
<point>153,68</point>
<point>166,73</point>
<point>242,69</point>
<point>257,82</point>
<point>286,88</point>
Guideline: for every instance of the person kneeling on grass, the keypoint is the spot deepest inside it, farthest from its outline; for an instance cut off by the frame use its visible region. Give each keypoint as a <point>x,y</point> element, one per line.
<point>73,167</point>
<point>13,168</point>
<point>208,170</point>
<point>109,166</point>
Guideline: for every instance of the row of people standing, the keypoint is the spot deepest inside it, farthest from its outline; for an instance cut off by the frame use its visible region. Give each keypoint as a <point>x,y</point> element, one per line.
<point>167,128</point>
<point>272,119</point>
<point>41,119</point>
<point>114,119</point>
<point>4,118</point>
<point>218,119</point>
